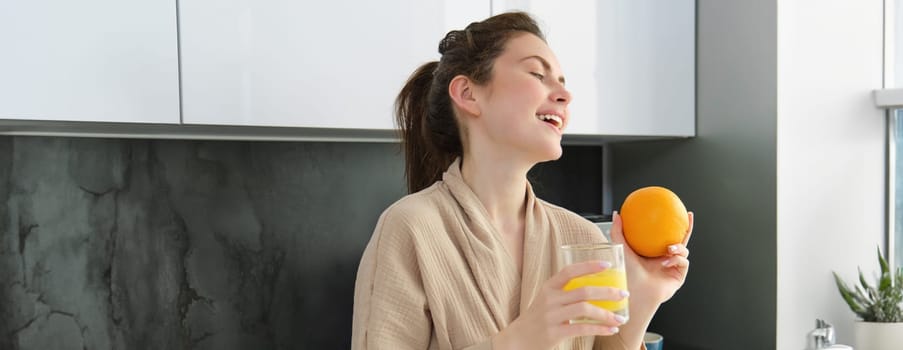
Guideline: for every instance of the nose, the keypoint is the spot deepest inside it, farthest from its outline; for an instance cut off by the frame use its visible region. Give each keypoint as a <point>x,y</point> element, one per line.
<point>561,94</point>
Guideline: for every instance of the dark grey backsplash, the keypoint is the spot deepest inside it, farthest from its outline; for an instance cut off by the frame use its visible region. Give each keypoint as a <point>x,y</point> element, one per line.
<point>574,181</point>
<point>161,244</point>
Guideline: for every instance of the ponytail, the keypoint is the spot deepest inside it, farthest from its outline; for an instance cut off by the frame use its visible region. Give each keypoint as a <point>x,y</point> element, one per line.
<point>430,136</point>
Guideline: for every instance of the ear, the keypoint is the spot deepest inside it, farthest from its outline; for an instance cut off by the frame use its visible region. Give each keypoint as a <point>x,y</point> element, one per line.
<point>461,89</point>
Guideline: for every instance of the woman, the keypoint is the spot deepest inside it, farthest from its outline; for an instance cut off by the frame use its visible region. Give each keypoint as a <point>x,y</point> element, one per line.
<point>467,261</point>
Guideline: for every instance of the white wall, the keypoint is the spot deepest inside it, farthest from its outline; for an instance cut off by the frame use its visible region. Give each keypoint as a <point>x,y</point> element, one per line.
<point>830,159</point>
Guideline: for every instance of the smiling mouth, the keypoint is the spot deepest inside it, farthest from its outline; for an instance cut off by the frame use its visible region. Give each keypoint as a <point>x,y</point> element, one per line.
<point>551,119</point>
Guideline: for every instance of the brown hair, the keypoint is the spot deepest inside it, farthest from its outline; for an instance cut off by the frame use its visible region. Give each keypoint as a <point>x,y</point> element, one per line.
<point>423,109</point>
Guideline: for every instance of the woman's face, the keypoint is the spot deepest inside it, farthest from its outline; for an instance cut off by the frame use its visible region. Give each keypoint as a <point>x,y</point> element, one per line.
<point>523,108</point>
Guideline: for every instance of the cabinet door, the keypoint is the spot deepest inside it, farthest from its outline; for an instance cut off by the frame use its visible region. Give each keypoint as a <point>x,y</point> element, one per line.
<point>630,64</point>
<point>92,60</point>
<point>324,64</point>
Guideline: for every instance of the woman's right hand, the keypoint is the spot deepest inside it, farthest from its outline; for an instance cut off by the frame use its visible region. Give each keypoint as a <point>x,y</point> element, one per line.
<point>545,323</point>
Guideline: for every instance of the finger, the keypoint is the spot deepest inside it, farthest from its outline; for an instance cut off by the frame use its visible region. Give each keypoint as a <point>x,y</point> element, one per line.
<point>585,310</point>
<point>617,229</point>
<point>690,228</point>
<point>576,270</point>
<point>586,329</point>
<point>678,249</point>
<point>676,261</point>
<point>591,293</point>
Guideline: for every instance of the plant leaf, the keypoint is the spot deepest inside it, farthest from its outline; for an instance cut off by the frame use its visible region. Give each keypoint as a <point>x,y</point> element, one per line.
<point>862,281</point>
<point>884,283</point>
<point>849,297</point>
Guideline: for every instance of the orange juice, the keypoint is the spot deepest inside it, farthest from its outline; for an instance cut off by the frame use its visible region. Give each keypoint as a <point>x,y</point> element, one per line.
<point>615,278</point>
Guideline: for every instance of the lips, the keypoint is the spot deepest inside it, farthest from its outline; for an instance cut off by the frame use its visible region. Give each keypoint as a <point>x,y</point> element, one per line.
<point>552,119</point>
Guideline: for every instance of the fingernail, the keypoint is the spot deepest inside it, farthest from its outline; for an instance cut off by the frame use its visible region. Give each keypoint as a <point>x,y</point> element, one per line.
<point>672,248</point>
<point>605,264</point>
<point>614,330</point>
<point>621,320</point>
<point>624,293</point>
<point>666,263</point>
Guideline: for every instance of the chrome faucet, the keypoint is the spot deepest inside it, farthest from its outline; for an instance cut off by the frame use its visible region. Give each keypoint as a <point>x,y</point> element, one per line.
<point>822,336</point>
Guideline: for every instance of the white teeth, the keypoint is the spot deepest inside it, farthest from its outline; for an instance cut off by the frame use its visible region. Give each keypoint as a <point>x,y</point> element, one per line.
<point>551,117</point>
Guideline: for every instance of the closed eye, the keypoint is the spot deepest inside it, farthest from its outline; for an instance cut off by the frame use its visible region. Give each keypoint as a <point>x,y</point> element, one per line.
<point>538,75</point>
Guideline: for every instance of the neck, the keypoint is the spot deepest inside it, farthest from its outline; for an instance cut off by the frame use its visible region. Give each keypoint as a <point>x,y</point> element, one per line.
<point>500,183</point>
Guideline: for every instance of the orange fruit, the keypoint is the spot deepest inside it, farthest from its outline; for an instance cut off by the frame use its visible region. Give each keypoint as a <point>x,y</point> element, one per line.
<point>653,218</point>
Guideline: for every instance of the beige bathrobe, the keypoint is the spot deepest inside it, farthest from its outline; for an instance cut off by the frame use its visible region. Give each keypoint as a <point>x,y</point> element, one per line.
<point>436,274</point>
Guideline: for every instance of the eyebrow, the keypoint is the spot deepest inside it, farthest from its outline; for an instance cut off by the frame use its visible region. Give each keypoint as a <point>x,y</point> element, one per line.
<point>545,64</point>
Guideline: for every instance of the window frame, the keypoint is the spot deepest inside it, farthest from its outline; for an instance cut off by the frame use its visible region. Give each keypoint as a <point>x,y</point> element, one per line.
<point>890,98</point>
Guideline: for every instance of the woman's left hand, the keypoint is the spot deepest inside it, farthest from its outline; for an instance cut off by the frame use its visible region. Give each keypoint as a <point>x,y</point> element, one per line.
<point>654,279</point>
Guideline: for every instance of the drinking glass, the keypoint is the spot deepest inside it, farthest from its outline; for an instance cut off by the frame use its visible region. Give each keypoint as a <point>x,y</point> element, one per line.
<point>615,276</point>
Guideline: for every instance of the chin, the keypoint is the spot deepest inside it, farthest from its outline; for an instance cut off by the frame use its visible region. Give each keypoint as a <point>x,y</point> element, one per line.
<point>550,153</point>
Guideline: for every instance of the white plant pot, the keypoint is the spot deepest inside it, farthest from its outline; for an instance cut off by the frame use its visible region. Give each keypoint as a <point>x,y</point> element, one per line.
<point>879,336</point>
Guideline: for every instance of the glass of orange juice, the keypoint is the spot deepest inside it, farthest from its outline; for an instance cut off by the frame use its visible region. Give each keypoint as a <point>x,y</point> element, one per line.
<point>615,276</point>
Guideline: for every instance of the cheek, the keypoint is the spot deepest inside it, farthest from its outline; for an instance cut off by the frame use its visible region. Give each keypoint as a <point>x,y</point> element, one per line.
<point>510,111</point>
<point>521,97</point>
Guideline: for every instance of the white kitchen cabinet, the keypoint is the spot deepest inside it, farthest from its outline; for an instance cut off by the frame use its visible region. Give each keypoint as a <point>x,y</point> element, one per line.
<point>91,60</point>
<point>630,64</point>
<point>324,64</point>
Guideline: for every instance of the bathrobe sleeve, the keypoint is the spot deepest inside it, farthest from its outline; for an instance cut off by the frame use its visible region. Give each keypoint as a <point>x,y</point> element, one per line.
<point>390,306</point>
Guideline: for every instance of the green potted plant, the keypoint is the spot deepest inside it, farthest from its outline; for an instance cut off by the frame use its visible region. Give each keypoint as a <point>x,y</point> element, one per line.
<point>878,306</point>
